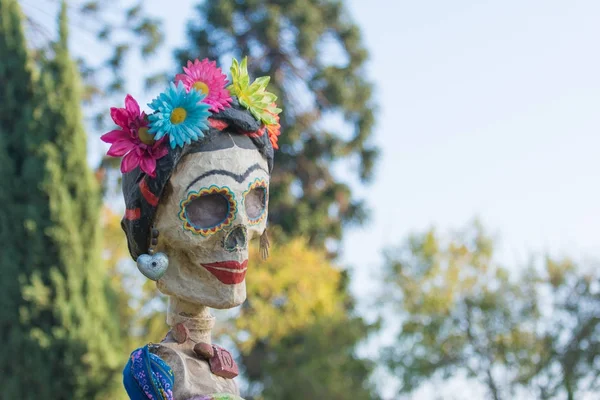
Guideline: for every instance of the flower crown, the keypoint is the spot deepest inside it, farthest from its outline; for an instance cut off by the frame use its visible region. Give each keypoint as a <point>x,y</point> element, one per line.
<point>181,113</point>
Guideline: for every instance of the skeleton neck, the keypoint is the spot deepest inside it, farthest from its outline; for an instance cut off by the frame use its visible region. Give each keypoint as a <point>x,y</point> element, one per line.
<point>196,318</point>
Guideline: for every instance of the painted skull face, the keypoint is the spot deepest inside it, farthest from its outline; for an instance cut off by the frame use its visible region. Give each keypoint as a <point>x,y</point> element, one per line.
<point>216,203</point>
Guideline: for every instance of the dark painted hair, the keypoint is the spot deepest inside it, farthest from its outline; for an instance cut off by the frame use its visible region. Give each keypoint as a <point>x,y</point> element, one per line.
<point>231,127</point>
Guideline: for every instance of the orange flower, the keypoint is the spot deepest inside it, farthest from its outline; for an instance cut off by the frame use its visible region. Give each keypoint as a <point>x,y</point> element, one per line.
<point>274,131</point>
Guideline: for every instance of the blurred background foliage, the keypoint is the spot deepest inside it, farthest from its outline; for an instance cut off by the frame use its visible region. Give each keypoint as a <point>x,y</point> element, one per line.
<point>74,306</point>
<point>292,41</point>
<point>534,331</point>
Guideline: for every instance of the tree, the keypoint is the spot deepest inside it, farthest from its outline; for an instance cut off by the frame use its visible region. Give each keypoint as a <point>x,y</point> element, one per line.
<point>283,298</point>
<point>296,332</point>
<point>327,121</point>
<point>292,42</point>
<point>462,312</point>
<point>115,32</point>
<point>569,364</point>
<point>59,328</point>
<point>318,362</point>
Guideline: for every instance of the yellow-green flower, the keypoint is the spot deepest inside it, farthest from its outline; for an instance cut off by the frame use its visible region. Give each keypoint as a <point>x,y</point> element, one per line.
<point>254,97</point>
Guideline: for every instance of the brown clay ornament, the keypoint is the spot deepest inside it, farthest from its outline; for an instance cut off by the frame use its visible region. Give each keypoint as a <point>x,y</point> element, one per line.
<point>222,364</point>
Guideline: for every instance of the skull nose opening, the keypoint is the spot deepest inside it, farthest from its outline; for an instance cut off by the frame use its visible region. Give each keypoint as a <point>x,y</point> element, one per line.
<point>236,239</point>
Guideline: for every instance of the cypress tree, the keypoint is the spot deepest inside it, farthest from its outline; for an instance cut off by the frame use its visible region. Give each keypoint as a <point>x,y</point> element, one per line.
<point>313,53</point>
<point>58,325</point>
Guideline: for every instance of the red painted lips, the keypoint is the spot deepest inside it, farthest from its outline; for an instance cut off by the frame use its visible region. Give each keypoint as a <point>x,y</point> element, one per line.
<point>228,272</point>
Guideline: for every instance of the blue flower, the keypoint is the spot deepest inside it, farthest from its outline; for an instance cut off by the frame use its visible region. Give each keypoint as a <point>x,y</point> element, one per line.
<point>179,114</point>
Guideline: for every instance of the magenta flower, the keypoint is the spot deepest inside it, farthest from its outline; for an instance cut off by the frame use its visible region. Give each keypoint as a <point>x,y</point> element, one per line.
<point>207,78</point>
<point>132,141</point>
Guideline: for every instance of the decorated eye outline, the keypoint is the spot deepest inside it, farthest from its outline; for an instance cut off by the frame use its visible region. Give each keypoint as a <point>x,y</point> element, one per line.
<point>256,184</point>
<point>228,216</point>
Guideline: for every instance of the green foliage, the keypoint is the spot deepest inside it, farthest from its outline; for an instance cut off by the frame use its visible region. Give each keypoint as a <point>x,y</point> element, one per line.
<point>295,333</point>
<point>461,312</point>
<point>123,29</point>
<point>569,330</point>
<point>318,362</point>
<point>116,31</point>
<point>60,335</point>
<point>283,299</point>
<point>291,41</point>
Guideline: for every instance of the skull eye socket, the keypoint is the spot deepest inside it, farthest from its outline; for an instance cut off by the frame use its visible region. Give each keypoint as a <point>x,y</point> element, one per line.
<point>208,210</point>
<point>255,201</point>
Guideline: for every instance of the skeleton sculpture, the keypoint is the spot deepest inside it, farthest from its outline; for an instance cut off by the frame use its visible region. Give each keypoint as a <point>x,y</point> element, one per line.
<point>195,182</point>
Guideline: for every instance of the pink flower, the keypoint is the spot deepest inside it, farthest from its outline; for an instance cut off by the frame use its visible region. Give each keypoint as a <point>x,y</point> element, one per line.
<point>133,140</point>
<point>205,77</point>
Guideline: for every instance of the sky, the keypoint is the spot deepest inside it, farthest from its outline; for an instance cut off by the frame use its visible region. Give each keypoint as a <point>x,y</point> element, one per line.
<point>487,109</point>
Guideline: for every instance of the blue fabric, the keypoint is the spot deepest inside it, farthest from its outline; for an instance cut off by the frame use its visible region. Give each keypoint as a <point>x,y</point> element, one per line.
<point>146,376</point>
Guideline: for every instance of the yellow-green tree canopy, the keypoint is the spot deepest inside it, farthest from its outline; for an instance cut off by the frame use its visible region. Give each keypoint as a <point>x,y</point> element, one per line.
<point>289,291</point>
<point>533,329</point>
<point>296,332</point>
